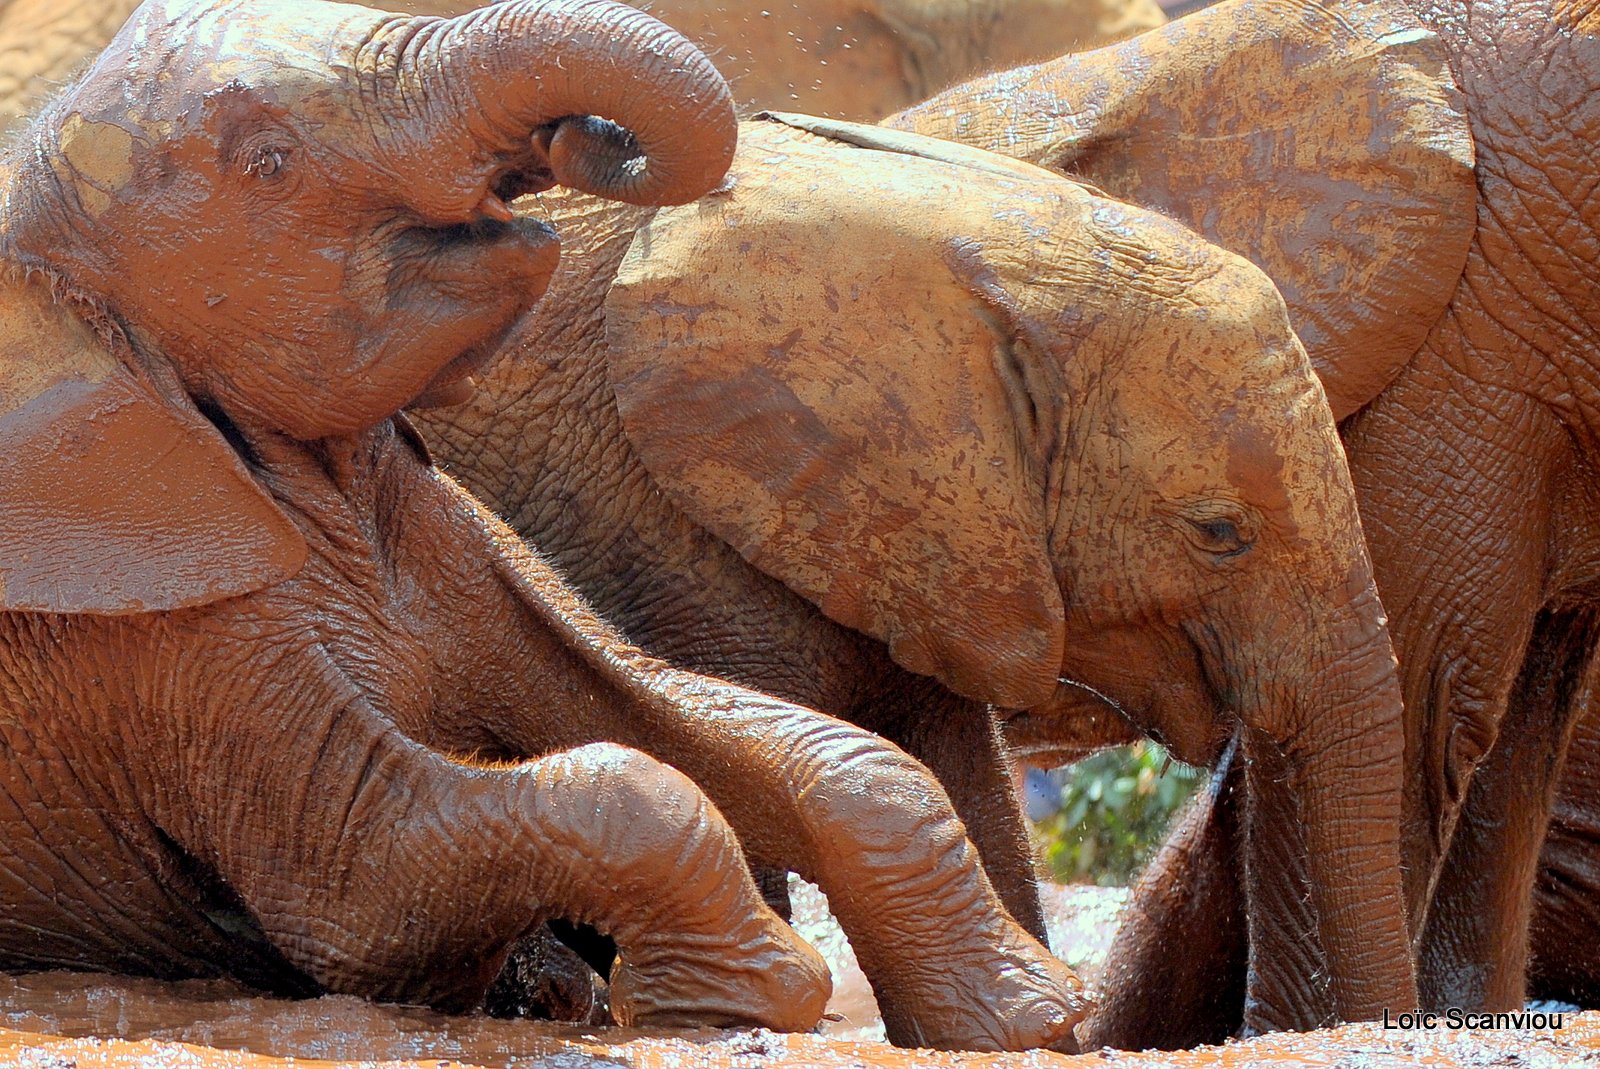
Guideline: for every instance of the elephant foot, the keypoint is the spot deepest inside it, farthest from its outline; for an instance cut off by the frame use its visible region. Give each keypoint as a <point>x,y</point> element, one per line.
<point>1017,996</point>
<point>773,979</point>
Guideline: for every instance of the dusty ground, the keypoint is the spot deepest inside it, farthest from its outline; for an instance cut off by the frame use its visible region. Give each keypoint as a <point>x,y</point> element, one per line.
<point>67,1021</point>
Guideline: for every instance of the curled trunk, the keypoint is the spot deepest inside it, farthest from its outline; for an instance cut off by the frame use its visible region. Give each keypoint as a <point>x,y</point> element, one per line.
<point>594,94</point>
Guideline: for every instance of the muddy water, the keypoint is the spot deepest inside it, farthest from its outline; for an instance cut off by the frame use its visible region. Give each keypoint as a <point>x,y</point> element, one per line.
<point>208,1026</point>
<point>76,1021</point>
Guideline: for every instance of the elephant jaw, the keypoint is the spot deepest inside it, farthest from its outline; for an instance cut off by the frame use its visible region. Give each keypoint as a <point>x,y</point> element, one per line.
<point>456,381</point>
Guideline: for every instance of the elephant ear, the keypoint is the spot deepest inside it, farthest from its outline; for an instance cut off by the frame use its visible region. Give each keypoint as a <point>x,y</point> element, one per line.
<point>854,437</point>
<point>884,139</point>
<point>1326,143</point>
<point>115,499</point>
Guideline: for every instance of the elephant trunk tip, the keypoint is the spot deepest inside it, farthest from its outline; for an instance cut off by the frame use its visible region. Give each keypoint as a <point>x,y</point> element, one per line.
<point>597,155</point>
<point>610,101</point>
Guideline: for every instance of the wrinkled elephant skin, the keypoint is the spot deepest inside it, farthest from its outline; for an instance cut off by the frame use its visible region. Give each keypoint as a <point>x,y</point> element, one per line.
<point>1472,444</point>
<point>279,700</point>
<point>882,484</point>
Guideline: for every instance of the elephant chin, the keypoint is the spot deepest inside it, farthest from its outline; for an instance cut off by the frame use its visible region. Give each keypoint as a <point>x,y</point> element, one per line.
<point>457,382</point>
<point>1073,724</point>
<point>446,396</point>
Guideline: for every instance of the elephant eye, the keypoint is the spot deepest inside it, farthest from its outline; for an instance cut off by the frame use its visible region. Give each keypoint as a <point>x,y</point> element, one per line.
<point>1223,534</point>
<point>265,161</point>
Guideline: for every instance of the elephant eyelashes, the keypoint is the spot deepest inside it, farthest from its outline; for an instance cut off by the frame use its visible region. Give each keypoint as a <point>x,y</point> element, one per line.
<point>1222,536</point>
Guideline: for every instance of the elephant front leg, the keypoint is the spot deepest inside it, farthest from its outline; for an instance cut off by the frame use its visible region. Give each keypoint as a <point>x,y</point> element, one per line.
<point>960,742</point>
<point>806,792</point>
<point>1455,505</point>
<point>382,869</point>
<point>872,828</point>
<point>1475,949</point>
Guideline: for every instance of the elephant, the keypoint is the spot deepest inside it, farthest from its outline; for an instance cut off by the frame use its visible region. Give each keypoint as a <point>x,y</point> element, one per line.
<point>896,430</point>
<point>1563,953</point>
<point>855,59</point>
<point>281,701</point>
<point>1469,423</point>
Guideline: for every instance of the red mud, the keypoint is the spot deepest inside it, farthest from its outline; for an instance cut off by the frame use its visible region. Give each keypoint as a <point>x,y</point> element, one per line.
<point>47,1021</point>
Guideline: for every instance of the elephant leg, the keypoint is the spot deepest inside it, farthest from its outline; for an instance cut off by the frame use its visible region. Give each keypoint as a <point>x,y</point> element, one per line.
<point>829,800</point>
<point>804,791</point>
<point>873,829</point>
<point>960,742</point>
<point>380,868</point>
<point>1455,505</point>
<point>1474,950</point>
<point>1564,938</point>
<point>1175,974</point>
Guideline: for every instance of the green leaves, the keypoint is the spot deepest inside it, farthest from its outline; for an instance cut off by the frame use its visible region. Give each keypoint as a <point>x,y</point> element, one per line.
<point>1115,808</point>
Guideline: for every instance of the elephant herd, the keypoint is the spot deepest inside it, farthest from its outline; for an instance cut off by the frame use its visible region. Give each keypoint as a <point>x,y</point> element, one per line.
<point>383,602</point>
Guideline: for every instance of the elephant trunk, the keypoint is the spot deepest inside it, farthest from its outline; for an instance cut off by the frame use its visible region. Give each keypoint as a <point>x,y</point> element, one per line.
<point>616,103</point>
<point>1324,772</point>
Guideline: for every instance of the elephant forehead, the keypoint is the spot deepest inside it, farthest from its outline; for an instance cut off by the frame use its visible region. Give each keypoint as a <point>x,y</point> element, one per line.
<point>170,56</point>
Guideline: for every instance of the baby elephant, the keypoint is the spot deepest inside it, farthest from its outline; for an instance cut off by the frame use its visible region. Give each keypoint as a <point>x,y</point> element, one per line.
<point>266,676</point>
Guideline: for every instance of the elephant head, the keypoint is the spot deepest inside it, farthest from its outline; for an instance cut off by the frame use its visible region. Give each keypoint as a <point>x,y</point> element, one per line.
<point>229,238</point>
<point>295,214</point>
<point>1071,447</point>
<point>1333,146</point>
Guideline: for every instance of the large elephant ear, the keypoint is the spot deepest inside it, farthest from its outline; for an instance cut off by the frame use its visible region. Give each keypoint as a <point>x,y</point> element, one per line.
<point>844,412</point>
<point>1325,142</point>
<point>115,499</point>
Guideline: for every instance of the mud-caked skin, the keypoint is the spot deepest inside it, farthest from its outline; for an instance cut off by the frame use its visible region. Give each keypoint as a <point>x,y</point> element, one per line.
<point>852,59</point>
<point>1472,446</point>
<point>262,787</point>
<point>983,444</point>
<point>1564,936</point>
<point>268,680</point>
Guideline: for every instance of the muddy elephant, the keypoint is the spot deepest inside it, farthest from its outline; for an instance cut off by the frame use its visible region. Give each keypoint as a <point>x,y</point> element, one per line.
<point>855,59</point>
<point>1563,947</point>
<point>279,699</point>
<point>1468,410</point>
<point>895,430</point>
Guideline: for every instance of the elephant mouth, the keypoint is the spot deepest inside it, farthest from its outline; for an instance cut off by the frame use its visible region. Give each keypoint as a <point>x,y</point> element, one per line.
<point>457,382</point>
<point>497,269</point>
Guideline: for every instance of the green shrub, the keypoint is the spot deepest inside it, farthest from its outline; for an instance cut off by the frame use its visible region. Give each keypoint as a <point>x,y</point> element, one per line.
<point>1115,809</point>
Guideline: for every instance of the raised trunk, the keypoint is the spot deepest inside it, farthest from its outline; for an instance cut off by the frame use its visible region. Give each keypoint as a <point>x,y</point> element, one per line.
<point>605,98</point>
<point>1323,841</point>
